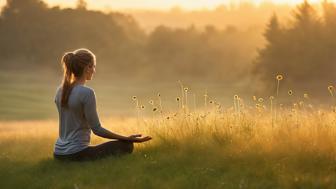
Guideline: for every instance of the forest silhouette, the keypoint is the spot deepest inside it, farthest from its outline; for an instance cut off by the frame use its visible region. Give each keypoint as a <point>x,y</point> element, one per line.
<point>34,35</point>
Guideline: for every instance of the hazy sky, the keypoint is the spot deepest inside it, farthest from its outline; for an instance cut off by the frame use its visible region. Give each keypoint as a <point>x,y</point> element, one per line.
<point>163,4</point>
<point>167,4</point>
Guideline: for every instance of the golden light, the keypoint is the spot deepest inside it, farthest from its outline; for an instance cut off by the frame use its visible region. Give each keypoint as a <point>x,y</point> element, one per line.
<point>167,4</point>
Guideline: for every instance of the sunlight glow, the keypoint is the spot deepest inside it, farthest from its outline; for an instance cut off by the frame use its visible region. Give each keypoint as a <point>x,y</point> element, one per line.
<point>168,4</point>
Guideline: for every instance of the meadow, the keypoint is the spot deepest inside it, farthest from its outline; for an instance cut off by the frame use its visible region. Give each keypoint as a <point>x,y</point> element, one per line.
<point>253,143</point>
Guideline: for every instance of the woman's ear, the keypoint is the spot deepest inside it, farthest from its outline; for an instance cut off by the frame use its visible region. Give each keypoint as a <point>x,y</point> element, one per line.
<point>86,69</point>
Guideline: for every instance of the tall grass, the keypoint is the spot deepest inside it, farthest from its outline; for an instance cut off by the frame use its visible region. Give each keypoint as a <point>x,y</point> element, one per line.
<point>203,149</point>
<point>239,146</point>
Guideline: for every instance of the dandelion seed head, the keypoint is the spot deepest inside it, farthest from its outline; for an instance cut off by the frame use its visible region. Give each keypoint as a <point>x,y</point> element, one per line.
<point>330,88</point>
<point>279,77</point>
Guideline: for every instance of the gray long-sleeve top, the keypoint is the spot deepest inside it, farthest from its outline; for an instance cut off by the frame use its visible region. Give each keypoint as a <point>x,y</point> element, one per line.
<point>77,121</point>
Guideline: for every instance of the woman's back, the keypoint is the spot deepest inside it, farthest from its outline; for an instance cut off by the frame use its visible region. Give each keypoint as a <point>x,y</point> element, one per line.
<point>76,120</point>
<point>76,105</point>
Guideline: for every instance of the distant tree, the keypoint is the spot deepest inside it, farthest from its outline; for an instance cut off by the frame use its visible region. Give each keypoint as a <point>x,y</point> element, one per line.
<point>329,10</point>
<point>305,19</point>
<point>18,7</point>
<point>270,58</point>
<point>273,30</point>
<point>81,5</point>
<point>303,51</point>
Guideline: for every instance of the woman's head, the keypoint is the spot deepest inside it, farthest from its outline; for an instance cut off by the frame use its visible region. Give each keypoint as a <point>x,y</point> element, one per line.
<point>77,65</point>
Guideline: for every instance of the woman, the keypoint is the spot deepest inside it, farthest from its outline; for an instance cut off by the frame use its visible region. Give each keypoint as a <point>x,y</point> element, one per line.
<point>76,105</point>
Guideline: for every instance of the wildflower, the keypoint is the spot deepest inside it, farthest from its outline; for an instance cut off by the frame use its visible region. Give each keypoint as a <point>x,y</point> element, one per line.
<point>186,89</point>
<point>290,92</point>
<point>159,95</point>
<point>279,77</point>
<point>151,102</point>
<point>261,100</point>
<point>271,97</point>
<point>236,97</point>
<point>134,97</point>
<point>254,98</point>
<point>330,88</point>
<point>177,99</point>
<point>142,107</point>
<point>211,102</point>
<point>154,109</point>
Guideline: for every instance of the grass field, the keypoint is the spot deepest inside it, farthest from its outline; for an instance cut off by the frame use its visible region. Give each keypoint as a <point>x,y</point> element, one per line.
<point>232,145</point>
<point>29,94</point>
<point>196,151</point>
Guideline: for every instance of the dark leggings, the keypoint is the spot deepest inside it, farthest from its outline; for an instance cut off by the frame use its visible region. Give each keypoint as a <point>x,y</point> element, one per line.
<point>111,148</point>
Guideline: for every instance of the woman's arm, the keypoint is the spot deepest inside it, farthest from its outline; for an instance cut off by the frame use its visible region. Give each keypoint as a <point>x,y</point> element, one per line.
<point>102,132</point>
<point>90,112</point>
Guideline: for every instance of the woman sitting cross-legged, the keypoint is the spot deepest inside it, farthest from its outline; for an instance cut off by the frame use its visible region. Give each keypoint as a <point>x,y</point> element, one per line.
<point>76,105</point>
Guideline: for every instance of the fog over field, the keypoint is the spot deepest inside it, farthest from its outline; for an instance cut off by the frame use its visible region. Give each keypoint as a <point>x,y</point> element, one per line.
<point>225,50</point>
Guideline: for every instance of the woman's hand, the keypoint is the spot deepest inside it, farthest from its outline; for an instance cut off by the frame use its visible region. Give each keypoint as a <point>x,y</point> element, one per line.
<point>138,139</point>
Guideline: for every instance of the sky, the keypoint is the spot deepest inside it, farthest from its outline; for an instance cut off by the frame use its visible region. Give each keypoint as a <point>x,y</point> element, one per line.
<point>163,4</point>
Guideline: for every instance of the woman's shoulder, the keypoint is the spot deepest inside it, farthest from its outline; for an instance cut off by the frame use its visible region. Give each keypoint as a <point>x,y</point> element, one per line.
<point>80,89</point>
<point>59,89</point>
<point>85,90</point>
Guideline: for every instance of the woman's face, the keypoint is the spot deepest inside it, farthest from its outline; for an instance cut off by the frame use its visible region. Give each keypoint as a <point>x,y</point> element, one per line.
<point>91,69</point>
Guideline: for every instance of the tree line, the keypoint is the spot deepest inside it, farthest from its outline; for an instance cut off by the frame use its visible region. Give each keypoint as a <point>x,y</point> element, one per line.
<point>303,50</point>
<point>35,35</point>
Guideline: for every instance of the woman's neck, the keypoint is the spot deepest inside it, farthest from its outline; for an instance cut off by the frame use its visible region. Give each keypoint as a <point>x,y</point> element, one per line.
<point>80,81</point>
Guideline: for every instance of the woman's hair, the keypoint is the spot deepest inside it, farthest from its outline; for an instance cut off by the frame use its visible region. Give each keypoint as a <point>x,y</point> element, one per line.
<point>73,66</point>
